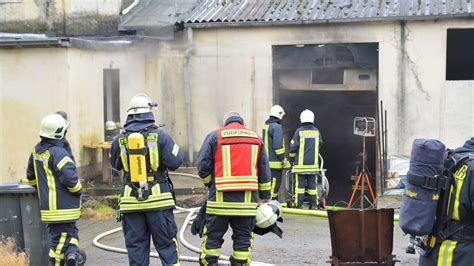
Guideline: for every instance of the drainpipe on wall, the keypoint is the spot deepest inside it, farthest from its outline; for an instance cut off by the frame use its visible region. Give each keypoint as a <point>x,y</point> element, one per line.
<point>187,95</point>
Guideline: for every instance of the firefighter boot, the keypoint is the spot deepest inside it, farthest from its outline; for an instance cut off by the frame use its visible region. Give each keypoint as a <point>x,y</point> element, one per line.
<point>234,262</point>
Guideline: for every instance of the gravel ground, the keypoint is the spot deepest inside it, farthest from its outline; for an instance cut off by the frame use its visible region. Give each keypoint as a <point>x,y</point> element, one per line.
<point>306,241</point>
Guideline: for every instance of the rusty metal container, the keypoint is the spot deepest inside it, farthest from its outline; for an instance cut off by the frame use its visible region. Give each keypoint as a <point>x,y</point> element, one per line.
<point>360,237</point>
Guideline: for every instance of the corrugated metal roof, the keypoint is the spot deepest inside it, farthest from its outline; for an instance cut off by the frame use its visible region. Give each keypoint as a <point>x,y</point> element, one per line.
<point>241,11</point>
<point>152,17</point>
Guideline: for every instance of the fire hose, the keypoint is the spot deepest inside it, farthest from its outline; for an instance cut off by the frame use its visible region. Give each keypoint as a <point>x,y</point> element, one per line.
<point>222,259</point>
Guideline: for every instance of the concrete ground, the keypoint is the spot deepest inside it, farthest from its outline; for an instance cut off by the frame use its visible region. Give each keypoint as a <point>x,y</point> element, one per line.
<point>306,240</point>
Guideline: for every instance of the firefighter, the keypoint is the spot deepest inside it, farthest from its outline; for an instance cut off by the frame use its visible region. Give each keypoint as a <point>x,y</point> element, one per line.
<point>234,166</point>
<point>52,169</point>
<point>145,153</point>
<point>304,154</point>
<point>458,246</point>
<point>272,136</point>
<point>66,143</point>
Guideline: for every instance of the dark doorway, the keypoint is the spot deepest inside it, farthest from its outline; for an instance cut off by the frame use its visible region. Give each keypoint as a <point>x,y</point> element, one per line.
<point>345,88</point>
<point>111,84</point>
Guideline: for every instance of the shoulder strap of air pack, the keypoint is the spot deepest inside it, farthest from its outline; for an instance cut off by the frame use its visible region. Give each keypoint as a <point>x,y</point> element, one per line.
<point>453,162</point>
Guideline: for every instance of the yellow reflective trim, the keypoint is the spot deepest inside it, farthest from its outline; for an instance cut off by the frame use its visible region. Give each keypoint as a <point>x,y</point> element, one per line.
<point>74,241</point>
<point>51,182</point>
<point>60,246</point>
<point>53,255</point>
<point>32,182</point>
<point>236,178</point>
<point>296,190</point>
<point>237,187</point>
<point>231,133</point>
<point>232,204</point>
<point>226,163</point>
<point>274,194</point>
<point>292,154</point>
<point>445,255</point>
<point>240,255</point>
<point>60,215</point>
<point>175,150</point>
<point>228,212</point>
<point>248,196</point>
<point>219,196</point>
<point>265,133</point>
<point>254,156</point>
<point>459,177</point>
<point>123,152</point>
<point>203,246</point>
<point>276,165</point>
<point>75,188</point>
<point>301,152</point>
<point>266,186</point>
<point>312,191</point>
<point>309,133</point>
<point>147,206</point>
<point>64,161</point>
<point>280,151</point>
<point>177,250</point>
<point>206,180</point>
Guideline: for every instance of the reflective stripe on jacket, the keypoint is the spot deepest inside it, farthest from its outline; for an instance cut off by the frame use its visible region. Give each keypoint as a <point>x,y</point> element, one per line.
<point>272,137</point>
<point>304,149</point>
<point>238,151</point>
<point>52,169</point>
<point>231,203</point>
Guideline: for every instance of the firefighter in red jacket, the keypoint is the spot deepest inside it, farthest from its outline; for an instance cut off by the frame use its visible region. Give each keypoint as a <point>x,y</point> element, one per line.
<point>233,164</point>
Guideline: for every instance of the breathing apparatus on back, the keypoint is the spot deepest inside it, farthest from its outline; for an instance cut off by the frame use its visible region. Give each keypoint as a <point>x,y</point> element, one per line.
<point>137,160</point>
<point>137,149</point>
<point>425,200</point>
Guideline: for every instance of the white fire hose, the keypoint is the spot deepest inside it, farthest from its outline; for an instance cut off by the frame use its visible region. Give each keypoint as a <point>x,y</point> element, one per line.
<point>222,259</point>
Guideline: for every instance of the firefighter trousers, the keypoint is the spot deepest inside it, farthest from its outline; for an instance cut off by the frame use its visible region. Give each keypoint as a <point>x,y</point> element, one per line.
<point>449,253</point>
<point>276,182</point>
<point>242,236</point>
<point>161,226</point>
<point>306,183</point>
<point>64,241</point>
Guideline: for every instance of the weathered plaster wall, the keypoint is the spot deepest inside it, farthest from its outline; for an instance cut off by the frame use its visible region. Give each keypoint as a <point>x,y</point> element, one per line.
<point>66,17</point>
<point>36,82</point>
<point>229,62</point>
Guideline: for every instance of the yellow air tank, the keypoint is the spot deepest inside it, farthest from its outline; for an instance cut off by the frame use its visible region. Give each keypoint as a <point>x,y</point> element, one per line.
<point>137,159</point>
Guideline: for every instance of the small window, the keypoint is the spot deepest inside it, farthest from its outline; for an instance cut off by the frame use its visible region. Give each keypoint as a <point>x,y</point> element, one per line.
<point>327,76</point>
<point>111,102</point>
<point>364,77</point>
<point>460,54</point>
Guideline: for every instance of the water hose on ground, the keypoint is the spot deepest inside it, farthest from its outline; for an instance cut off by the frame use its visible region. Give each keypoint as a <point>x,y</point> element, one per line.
<point>188,220</point>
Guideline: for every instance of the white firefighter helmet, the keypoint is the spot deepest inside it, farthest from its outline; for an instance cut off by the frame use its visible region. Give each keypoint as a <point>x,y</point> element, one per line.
<point>307,116</point>
<point>53,126</point>
<point>110,125</point>
<point>277,111</point>
<point>268,213</point>
<point>140,104</point>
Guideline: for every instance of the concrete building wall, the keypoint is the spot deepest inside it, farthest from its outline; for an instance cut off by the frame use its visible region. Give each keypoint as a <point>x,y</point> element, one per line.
<point>232,70</point>
<point>66,17</point>
<point>37,82</point>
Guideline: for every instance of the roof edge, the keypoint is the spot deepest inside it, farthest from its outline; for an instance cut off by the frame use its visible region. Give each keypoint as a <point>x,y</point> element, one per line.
<point>322,21</point>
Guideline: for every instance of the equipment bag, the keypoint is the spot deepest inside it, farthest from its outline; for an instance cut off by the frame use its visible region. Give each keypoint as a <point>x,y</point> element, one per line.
<point>425,180</point>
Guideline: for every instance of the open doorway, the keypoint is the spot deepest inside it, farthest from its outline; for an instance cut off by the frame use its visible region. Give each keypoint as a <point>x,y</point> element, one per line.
<point>338,82</point>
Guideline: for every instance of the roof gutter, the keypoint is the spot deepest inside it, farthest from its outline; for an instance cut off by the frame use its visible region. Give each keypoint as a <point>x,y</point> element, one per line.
<point>321,21</point>
<point>35,43</point>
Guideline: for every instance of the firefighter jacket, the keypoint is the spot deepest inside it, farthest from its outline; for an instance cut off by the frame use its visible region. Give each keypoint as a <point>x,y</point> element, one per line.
<point>304,148</point>
<point>272,137</point>
<point>162,154</point>
<point>52,169</point>
<point>233,164</point>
